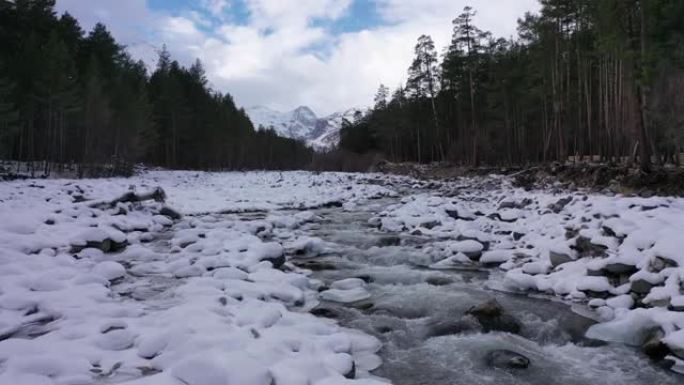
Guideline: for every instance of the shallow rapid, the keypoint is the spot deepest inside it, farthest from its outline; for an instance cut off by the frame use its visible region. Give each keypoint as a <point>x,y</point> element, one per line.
<point>415,312</point>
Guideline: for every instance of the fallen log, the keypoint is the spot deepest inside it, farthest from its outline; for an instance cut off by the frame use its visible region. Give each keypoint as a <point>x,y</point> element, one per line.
<point>158,195</point>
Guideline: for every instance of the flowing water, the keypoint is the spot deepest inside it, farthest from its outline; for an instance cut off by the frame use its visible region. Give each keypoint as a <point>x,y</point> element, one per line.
<point>410,304</point>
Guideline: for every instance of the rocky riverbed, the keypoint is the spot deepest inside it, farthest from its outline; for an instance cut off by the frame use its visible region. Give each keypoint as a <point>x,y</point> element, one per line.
<point>326,279</point>
<point>454,323</point>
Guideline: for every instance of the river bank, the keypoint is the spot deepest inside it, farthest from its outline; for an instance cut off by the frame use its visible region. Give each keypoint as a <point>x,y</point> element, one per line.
<point>600,178</point>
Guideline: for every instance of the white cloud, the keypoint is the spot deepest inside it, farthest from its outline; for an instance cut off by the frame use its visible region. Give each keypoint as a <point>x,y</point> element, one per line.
<point>294,13</point>
<point>275,57</point>
<point>217,8</point>
<point>125,18</point>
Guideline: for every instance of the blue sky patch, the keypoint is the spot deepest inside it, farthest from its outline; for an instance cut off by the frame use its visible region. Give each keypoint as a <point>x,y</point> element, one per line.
<point>361,15</point>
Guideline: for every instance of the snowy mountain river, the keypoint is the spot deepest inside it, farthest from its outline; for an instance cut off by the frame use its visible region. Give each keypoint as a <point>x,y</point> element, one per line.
<point>417,313</point>
<point>336,279</point>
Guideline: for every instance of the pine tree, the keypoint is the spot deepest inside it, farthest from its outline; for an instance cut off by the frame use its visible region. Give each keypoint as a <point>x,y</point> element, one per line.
<point>381,97</point>
<point>9,117</point>
<point>422,83</point>
<point>467,41</point>
<point>71,33</point>
<point>423,74</point>
<point>83,99</point>
<point>58,97</point>
<point>164,60</point>
<point>100,46</point>
<point>97,116</point>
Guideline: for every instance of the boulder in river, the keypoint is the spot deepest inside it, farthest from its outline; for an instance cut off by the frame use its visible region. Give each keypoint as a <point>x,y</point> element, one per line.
<point>456,215</point>
<point>331,204</point>
<point>653,345</point>
<point>107,245</point>
<point>390,240</point>
<point>315,265</point>
<point>507,359</point>
<point>447,327</point>
<point>439,281</point>
<point>271,252</point>
<point>488,309</point>
<point>276,261</point>
<point>324,312</point>
<point>492,317</point>
<point>430,224</point>
<point>169,212</point>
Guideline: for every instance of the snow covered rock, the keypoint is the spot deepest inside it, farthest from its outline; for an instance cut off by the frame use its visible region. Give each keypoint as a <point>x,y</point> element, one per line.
<point>496,257</point>
<point>470,248</point>
<point>109,270</point>
<point>105,239</point>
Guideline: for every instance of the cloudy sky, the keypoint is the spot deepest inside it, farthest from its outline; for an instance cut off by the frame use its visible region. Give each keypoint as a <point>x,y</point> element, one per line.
<point>326,54</point>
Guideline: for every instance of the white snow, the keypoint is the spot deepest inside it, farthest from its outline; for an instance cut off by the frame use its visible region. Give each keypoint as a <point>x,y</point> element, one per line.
<point>197,301</point>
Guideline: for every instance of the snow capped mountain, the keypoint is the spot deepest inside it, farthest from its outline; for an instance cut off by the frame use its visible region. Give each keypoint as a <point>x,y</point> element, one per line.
<point>303,124</point>
<point>329,129</point>
<point>296,124</point>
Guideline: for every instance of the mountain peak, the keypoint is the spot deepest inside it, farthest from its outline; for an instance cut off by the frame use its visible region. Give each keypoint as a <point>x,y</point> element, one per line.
<point>304,110</point>
<point>305,116</point>
<point>302,124</point>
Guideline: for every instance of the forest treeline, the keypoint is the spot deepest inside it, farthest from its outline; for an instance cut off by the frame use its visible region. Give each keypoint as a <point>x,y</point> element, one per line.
<point>71,97</point>
<point>589,79</point>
